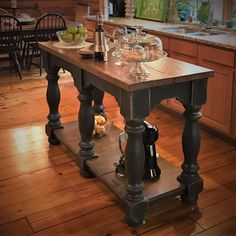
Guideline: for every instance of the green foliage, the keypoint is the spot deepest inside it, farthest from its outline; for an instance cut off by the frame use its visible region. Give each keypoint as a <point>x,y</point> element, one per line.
<point>202,13</point>
<point>183,6</point>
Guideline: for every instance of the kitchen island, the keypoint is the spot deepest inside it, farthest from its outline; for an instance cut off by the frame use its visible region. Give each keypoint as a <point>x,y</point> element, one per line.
<point>168,78</point>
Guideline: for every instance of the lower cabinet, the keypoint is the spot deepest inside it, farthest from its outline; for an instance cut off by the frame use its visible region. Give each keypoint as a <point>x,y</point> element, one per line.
<point>217,112</point>
<point>233,119</point>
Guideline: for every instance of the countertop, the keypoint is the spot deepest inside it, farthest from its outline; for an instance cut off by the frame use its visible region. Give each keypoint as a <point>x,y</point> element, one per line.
<point>225,39</point>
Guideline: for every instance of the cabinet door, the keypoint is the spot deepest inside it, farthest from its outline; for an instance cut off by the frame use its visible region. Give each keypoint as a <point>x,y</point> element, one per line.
<point>233,121</point>
<point>217,111</point>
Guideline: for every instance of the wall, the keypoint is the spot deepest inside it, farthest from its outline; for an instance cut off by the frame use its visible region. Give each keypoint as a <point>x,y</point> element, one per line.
<point>94,5</point>
<point>65,7</point>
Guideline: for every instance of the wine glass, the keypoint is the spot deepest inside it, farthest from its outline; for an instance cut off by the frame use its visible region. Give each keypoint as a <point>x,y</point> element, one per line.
<point>121,32</point>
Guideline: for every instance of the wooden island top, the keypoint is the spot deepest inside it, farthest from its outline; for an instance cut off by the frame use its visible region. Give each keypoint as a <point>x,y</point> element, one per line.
<point>162,72</point>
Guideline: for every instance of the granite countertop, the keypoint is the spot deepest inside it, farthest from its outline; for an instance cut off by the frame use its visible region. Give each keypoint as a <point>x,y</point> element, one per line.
<point>225,38</point>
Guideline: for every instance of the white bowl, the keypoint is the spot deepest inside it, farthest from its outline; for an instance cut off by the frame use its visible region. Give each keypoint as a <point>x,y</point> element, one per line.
<point>73,43</point>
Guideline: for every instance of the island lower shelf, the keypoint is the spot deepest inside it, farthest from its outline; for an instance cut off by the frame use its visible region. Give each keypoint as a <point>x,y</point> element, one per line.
<point>108,152</point>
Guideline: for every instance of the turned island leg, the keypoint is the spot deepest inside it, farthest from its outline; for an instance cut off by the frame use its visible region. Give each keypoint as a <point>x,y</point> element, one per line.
<point>86,126</point>
<point>191,145</point>
<point>135,205</point>
<point>53,99</point>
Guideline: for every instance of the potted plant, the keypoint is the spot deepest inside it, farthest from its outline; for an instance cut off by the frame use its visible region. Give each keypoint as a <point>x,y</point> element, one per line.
<point>230,23</point>
<point>184,9</point>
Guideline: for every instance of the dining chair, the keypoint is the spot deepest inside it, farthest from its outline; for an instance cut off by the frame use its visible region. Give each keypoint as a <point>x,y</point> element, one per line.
<point>10,40</point>
<point>45,30</point>
<point>4,12</point>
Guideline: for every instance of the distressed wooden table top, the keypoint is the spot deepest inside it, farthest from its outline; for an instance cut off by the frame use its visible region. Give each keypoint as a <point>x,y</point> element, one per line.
<point>162,72</point>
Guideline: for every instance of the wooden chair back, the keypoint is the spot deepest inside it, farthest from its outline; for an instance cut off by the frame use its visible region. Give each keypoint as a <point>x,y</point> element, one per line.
<point>3,12</point>
<point>10,31</point>
<point>47,26</point>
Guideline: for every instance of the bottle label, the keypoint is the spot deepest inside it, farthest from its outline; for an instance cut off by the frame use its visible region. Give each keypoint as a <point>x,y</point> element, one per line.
<point>99,42</point>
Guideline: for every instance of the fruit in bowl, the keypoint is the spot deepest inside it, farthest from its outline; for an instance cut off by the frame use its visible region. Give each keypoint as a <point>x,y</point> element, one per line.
<point>73,35</point>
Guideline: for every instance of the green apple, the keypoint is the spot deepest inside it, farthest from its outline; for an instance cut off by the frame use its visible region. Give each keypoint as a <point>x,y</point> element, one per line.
<point>82,30</point>
<point>78,38</point>
<point>72,29</point>
<point>67,37</point>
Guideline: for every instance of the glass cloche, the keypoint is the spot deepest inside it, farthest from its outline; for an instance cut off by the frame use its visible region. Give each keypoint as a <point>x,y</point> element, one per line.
<point>138,48</point>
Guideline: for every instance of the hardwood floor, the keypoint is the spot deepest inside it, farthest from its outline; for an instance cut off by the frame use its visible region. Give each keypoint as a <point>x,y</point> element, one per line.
<point>42,192</point>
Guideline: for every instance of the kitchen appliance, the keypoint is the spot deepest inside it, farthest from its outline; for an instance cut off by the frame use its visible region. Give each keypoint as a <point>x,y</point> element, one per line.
<point>150,136</point>
<point>117,8</point>
<point>151,169</point>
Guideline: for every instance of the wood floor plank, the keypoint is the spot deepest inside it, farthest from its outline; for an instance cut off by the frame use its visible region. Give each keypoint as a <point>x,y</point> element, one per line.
<point>227,228</point>
<point>180,227</point>
<point>219,176</point>
<point>217,213</point>
<point>24,168</point>
<point>42,188</point>
<point>74,209</point>
<point>26,180</point>
<point>211,196</point>
<point>217,161</point>
<point>110,221</point>
<point>19,227</point>
<point>37,204</point>
<point>107,221</point>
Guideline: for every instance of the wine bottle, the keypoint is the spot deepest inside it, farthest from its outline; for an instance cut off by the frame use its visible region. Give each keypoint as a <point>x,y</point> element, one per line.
<point>99,39</point>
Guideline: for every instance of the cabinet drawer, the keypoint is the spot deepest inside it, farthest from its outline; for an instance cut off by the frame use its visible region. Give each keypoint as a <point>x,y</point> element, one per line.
<point>216,55</point>
<point>184,58</point>
<point>183,47</point>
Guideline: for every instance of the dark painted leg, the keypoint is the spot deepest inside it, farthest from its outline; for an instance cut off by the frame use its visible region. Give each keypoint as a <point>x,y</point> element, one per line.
<point>191,144</point>
<point>98,101</point>
<point>135,205</point>
<point>53,100</point>
<point>86,126</point>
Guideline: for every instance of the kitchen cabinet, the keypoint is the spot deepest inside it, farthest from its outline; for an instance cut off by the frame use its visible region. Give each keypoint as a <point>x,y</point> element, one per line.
<point>183,50</point>
<point>233,120</point>
<point>217,111</point>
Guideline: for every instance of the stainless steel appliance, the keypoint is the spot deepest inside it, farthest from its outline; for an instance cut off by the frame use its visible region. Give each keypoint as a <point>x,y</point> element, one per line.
<point>117,8</point>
